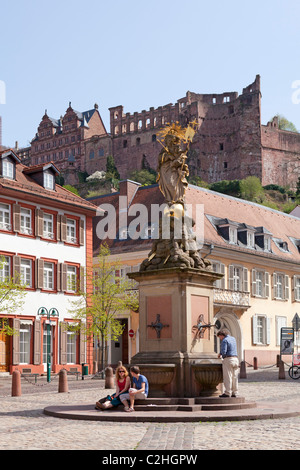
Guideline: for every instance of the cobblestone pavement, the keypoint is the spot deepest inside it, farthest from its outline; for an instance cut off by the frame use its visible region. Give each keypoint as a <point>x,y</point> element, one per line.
<point>24,426</point>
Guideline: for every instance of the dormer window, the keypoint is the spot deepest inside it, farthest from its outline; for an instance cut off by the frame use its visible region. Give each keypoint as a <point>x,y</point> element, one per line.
<point>8,169</point>
<point>282,245</point>
<point>48,180</point>
<point>8,161</point>
<point>233,235</point>
<point>263,239</point>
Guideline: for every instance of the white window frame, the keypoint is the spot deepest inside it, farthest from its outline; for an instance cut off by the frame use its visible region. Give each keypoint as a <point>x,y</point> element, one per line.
<point>219,267</point>
<point>280,286</point>
<point>296,288</point>
<point>48,180</point>
<point>260,283</point>
<point>25,342</point>
<point>71,278</point>
<point>48,276</point>
<point>71,231</point>
<point>5,268</point>
<point>233,235</point>
<point>261,329</point>
<point>48,226</point>
<point>237,278</point>
<point>281,322</point>
<point>8,169</point>
<point>71,347</point>
<point>26,221</point>
<point>5,217</point>
<point>26,272</point>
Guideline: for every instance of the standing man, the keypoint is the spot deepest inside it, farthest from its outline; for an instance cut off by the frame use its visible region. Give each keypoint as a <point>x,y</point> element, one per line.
<point>230,365</point>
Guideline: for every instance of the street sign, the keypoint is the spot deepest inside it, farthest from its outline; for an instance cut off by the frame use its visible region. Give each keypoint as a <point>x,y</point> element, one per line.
<point>287,341</point>
<point>131,333</point>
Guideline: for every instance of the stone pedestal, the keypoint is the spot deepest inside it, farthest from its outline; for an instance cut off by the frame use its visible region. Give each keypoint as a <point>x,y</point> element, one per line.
<point>174,304</point>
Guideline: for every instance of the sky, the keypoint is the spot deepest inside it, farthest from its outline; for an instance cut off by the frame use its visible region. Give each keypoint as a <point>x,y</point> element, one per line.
<point>140,54</point>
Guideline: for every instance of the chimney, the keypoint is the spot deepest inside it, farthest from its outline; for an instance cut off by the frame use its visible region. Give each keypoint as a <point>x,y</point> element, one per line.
<point>128,188</point>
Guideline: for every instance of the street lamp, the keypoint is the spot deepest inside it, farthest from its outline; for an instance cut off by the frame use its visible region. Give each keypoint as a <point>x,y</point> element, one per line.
<point>52,312</point>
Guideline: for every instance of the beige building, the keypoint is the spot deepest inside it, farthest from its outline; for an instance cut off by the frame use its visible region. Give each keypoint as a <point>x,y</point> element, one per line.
<point>255,247</point>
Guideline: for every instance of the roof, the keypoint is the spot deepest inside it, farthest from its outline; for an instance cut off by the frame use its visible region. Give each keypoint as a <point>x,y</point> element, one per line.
<point>24,186</point>
<point>217,208</point>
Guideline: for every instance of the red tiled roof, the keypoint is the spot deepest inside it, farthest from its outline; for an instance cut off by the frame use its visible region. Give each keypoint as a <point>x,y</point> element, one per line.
<point>281,225</point>
<point>29,188</point>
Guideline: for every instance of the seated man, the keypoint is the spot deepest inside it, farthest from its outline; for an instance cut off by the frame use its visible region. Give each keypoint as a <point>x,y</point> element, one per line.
<point>140,389</point>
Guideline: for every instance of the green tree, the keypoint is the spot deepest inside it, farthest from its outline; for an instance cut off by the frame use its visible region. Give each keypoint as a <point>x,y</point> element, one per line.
<point>12,293</point>
<point>144,177</point>
<point>251,189</point>
<point>111,294</point>
<point>71,189</point>
<point>284,124</point>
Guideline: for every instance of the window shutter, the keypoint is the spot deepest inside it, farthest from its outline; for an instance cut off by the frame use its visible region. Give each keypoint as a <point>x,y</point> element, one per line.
<point>58,227</point>
<point>37,342</point>
<point>82,279</point>
<point>63,228</point>
<point>58,277</point>
<point>81,232</point>
<point>287,287</point>
<point>222,271</point>
<point>245,279</point>
<point>63,343</point>
<point>254,329</point>
<point>267,285</point>
<point>268,332</point>
<point>253,283</point>
<point>17,217</point>
<point>82,345</point>
<point>40,273</point>
<point>274,285</point>
<point>16,342</point>
<point>230,277</point>
<point>39,223</point>
<point>63,277</point>
<point>16,269</point>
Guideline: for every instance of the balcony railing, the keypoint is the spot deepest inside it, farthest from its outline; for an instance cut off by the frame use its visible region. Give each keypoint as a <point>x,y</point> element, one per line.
<point>231,297</point>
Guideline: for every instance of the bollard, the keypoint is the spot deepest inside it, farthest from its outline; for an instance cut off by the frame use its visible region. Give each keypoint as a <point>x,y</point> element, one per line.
<point>255,363</point>
<point>109,377</point>
<point>63,382</point>
<point>95,367</point>
<point>277,360</point>
<point>243,374</point>
<point>281,372</point>
<point>16,384</point>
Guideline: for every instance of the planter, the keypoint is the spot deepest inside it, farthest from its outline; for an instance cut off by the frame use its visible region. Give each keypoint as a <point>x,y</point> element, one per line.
<point>158,375</point>
<point>208,376</point>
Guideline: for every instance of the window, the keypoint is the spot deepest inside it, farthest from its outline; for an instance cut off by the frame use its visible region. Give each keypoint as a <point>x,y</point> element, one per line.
<point>219,268</point>
<point>71,347</point>
<point>260,283</point>
<point>25,340</point>
<point>71,231</point>
<point>297,288</point>
<point>25,221</point>
<point>261,329</point>
<point>7,169</point>
<point>233,235</point>
<point>250,240</point>
<point>281,322</point>
<point>71,278</point>
<point>237,278</point>
<point>280,286</point>
<point>48,276</point>
<point>48,226</point>
<point>4,268</point>
<point>5,217</point>
<point>48,180</point>
<point>26,272</point>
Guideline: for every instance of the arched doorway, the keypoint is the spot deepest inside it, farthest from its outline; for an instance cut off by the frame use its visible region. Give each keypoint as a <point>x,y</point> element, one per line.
<point>228,319</point>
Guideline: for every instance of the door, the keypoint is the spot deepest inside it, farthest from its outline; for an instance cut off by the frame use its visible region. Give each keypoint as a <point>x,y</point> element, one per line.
<point>4,352</point>
<point>45,344</point>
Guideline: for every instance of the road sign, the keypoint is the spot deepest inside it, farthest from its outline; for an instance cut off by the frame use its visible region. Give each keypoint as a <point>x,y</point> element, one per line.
<point>131,333</point>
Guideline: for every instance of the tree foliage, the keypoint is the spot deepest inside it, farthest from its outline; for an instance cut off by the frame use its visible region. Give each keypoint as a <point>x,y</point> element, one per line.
<point>12,293</point>
<point>98,312</point>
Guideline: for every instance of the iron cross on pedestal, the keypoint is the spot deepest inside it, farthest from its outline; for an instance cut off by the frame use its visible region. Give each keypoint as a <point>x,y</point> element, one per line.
<point>158,326</point>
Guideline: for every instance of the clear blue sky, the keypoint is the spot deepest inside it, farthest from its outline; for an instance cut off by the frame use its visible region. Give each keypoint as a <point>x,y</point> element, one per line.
<point>142,53</point>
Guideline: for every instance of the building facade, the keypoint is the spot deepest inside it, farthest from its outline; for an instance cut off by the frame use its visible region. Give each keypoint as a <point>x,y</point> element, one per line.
<point>254,247</point>
<point>231,141</point>
<point>46,242</point>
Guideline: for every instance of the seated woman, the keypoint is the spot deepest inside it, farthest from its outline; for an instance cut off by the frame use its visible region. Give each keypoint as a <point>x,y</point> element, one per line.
<point>122,386</point>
